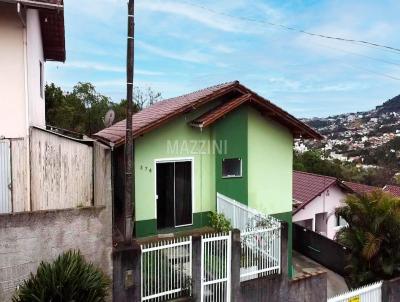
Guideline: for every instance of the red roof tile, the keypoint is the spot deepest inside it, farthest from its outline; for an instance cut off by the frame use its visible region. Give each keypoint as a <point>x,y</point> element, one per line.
<point>394,190</point>
<point>359,188</point>
<point>307,186</point>
<point>161,112</point>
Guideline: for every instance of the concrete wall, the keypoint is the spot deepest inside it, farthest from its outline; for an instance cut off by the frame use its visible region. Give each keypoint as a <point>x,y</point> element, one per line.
<point>328,201</point>
<point>27,238</point>
<point>391,290</point>
<point>35,59</point>
<point>13,113</point>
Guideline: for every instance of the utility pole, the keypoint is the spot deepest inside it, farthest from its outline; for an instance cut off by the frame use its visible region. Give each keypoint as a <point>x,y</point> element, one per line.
<point>129,169</point>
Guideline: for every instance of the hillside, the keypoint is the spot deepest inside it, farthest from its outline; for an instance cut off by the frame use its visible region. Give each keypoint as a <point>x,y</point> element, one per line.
<point>368,138</point>
<point>390,105</point>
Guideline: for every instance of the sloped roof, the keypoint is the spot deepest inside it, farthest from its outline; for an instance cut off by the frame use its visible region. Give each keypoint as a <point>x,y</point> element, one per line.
<point>51,15</point>
<point>214,114</point>
<point>359,188</point>
<point>307,186</point>
<point>394,190</point>
<point>161,112</point>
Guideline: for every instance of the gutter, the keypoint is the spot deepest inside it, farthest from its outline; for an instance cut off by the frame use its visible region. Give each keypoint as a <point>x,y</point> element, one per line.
<point>37,4</point>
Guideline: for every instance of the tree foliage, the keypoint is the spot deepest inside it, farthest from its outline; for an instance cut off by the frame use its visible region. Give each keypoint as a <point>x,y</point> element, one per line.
<point>68,278</point>
<point>83,109</point>
<point>372,236</point>
<point>314,162</point>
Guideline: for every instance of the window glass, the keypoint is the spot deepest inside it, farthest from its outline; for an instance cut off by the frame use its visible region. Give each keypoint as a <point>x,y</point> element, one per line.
<point>232,167</point>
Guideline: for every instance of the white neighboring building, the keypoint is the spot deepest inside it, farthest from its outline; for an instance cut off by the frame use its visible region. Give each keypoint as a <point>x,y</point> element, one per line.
<point>315,199</point>
<point>31,33</point>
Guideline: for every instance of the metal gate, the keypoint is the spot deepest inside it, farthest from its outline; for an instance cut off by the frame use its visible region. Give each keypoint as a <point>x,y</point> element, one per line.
<point>216,267</point>
<point>5,177</point>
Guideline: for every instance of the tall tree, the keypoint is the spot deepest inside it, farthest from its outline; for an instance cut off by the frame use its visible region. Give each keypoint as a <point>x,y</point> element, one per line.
<point>82,110</point>
<point>372,236</point>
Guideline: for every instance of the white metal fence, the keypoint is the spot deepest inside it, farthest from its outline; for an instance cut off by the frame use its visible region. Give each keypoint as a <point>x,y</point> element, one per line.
<point>216,268</point>
<point>261,252</point>
<point>243,217</point>
<point>369,293</point>
<point>260,238</point>
<point>166,269</point>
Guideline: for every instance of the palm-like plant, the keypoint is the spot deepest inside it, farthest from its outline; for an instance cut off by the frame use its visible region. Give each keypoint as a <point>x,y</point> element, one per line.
<point>68,278</point>
<point>372,235</point>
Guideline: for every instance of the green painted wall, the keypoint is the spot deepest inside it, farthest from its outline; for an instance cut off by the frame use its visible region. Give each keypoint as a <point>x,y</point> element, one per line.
<point>270,156</point>
<point>174,140</point>
<point>288,218</point>
<point>144,228</point>
<point>232,129</point>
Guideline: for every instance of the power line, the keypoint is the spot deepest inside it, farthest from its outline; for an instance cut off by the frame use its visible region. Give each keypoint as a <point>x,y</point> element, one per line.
<point>359,54</point>
<point>372,71</point>
<point>290,28</point>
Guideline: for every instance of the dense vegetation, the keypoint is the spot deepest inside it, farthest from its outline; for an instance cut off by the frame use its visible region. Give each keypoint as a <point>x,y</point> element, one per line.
<point>314,162</point>
<point>68,278</point>
<point>83,109</point>
<point>373,237</point>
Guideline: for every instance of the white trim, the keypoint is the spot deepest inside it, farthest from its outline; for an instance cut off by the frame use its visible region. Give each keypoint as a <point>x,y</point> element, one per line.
<point>175,160</point>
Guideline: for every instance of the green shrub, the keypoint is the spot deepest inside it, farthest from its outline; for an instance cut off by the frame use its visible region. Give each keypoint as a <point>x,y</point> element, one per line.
<point>219,222</point>
<point>68,278</point>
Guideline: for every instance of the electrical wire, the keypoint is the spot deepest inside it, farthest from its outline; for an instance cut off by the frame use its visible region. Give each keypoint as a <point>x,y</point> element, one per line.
<point>290,28</point>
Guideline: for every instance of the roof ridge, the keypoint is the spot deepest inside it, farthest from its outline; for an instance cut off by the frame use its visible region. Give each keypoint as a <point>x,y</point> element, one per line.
<point>314,174</point>
<point>358,183</point>
<point>203,89</point>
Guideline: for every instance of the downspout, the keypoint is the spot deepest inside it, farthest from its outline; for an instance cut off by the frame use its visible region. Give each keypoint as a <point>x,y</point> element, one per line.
<point>28,204</point>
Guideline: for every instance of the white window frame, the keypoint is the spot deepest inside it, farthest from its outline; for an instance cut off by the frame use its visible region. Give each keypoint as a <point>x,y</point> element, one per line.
<point>175,160</point>
<point>232,176</point>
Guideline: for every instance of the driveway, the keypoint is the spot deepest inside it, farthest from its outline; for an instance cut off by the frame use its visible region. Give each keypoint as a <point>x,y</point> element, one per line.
<point>336,284</point>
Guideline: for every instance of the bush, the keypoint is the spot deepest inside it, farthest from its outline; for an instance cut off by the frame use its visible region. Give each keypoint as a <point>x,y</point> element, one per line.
<point>219,222</point>
<point>68,278</point>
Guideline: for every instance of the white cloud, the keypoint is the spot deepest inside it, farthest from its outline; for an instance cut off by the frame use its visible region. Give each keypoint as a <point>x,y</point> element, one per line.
<point>192,56</point>
<point>107,68</point>
<point>198,14</point>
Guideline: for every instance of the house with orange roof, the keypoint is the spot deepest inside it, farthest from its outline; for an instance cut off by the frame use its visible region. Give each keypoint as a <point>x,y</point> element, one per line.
<point>222,142</point>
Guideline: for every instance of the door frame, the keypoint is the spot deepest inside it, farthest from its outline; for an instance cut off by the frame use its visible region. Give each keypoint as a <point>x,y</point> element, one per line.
<point>174,160</point>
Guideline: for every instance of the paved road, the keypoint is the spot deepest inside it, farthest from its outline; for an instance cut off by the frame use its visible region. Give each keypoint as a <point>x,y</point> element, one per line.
<point>336,283</point>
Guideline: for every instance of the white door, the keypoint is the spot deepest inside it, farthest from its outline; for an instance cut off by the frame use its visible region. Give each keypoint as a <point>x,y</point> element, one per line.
<point>5,177</point>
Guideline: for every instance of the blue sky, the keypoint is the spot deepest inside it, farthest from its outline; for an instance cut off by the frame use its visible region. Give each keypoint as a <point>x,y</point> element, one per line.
<point>182,47</point>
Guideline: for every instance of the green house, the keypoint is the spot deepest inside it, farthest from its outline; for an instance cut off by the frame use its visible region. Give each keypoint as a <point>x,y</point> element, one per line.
<point>223,139</point>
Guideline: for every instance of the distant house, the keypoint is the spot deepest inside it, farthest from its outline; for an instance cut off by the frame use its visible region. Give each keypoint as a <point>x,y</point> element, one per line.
<point>315,199</point>
<point>394,190</point>
<point>359,188</point>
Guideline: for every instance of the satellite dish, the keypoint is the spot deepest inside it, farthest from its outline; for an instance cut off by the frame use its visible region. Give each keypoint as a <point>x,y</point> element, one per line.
<point>109,118</point>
